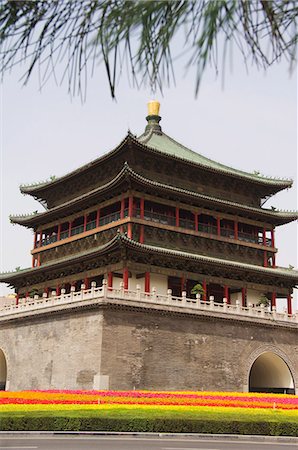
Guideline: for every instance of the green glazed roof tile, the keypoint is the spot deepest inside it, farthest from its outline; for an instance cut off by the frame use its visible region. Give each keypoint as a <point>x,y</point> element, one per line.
<point>165,144</point>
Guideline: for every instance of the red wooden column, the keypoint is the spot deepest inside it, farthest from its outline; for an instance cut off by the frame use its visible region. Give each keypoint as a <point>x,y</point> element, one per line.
<point>264,237</point>
<point>218,226</point>
<point>273,299</point>
<point>142,215</point>
<point>273,260</point>
<point>142,208</point>
<point>289,304</point>
<point>86,282</point>
<point>85,222</point>
<point>69,229</point>
<point>58,290</point>
<point>183,283</point>
<point>227,293</point>
<point>142,234</point>
<point>129,230</point>
<point>59,232</point>
<point>125,277</point>
<point>236,230</point>
<point>110,280</point>
<point>177,217</point>
<point>204,285</point>
<point>130,206</point>
<point>40,238</point>
<point>130,214</point>
<point>97,217</point>
<point>147,282</point>
<point>243,295</point>
<point>265,244</point>
<point>196,221</point>
<point>17,298</point>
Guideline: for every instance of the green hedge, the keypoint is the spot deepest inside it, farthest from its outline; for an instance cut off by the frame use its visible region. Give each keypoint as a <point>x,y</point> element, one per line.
<point>60,423</point>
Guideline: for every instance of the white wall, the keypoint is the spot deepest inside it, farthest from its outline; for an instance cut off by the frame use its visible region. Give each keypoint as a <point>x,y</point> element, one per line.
<point>253,296</point>
<point>160,282</point>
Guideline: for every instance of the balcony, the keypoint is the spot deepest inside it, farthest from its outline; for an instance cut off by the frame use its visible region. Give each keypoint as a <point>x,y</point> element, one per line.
<point>103,294</point>
<point>210,228</point>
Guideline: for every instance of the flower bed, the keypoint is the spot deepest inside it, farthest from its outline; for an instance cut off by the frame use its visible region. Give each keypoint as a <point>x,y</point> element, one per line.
<point>149,398</point>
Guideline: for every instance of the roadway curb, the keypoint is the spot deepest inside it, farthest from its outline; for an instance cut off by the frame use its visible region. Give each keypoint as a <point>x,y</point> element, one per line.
<point>190,436</point>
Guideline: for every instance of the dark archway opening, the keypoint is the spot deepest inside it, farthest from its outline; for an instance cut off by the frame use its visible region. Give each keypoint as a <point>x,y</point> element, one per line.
<point>269,373</point>
<point>3,371</point>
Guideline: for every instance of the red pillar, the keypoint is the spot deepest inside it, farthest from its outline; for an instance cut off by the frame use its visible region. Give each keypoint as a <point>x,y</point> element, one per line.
<point>218,226</point>
<point>147,282</point>
<point>273,299</point>
<point>142,215</point>
<point>142,234</point>
<point>110,280</point>
<point>38,260</point>
<point>97,218</point>
<point>129,230</point>
<point>236,230</point>
<point>289,304</point>
<point>69,229</point>
<point>86,282</point>
<point>204,285</point>
<point>142,208</point>
<point>17,298</point>
<point>196,221</point>
<point>40,238</point>
<point>58,290</point>
<point>272,238</point>
<point>59,232</point>
<point>183,282</point>
<point>85,222</point>
<point>130,206</point>
<point>125,277</point>
<point>227,293</point>
<point>243,293</point>
<point>177,217</point>
<point>273,260</point>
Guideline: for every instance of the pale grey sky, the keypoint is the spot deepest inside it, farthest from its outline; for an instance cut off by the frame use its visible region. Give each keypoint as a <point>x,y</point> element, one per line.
<point>250,124</point>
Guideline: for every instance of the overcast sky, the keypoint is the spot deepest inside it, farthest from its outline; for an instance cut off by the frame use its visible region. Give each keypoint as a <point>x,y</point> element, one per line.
<point>250,124</point>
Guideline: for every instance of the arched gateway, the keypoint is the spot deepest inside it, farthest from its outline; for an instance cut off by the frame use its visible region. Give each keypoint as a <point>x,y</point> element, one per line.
<point>3,371</point>
<point>270,373</point>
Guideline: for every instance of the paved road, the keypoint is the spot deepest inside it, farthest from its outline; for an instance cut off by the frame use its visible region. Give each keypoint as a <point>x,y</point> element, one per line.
<point>47,442</point>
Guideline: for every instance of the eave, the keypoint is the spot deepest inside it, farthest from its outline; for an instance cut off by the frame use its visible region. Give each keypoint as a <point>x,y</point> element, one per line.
<point>270,186</point>
<point>38,190</point>
<point>127,174</point>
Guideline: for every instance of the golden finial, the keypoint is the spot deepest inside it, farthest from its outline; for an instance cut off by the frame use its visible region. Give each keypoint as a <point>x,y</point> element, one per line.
<point>153,108</point>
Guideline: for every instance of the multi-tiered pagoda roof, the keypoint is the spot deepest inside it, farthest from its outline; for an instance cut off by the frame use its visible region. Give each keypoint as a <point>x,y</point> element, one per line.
<point>157,169</point>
